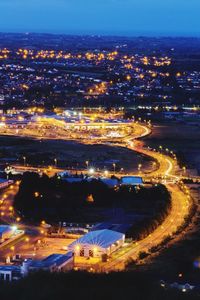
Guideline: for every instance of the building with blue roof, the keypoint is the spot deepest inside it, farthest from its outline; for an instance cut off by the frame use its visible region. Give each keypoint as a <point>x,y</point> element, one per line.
<point>131,180</point>
<point>96,243</point>
<point>53,263</point>
<point>10,273</point>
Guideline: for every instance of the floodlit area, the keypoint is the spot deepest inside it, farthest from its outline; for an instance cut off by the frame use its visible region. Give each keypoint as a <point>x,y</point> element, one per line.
<point>54,126</point>
<point>36,248</point>
<point>46,246</point>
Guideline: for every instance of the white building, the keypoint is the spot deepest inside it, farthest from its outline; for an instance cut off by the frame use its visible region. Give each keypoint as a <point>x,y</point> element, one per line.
<point>97,243</point>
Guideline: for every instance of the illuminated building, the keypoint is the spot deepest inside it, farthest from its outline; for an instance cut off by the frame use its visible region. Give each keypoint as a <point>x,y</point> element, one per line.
<point>97,243</point>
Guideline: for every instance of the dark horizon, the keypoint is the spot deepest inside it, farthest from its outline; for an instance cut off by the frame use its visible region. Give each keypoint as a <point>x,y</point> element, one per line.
<point>108,34</point>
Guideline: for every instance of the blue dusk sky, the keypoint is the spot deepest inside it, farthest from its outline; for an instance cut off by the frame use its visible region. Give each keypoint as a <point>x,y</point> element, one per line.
<point>117,17</point>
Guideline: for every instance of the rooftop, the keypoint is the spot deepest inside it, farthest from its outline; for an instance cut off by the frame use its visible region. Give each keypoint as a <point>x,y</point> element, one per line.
<point>12,268</point>
<point>103,238</point>
<point>51,260</point>
<point>131,180</point>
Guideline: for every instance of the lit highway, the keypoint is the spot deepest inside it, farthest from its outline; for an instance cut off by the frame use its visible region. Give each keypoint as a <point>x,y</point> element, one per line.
<point>9,216</point>
<point>180,209</point>
<point>166,171</point>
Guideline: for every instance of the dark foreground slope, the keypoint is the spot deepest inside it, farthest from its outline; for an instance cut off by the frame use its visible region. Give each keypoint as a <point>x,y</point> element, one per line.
<point>134,285</point>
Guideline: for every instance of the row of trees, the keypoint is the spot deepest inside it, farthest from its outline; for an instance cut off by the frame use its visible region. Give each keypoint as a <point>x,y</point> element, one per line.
<point>55,200</point>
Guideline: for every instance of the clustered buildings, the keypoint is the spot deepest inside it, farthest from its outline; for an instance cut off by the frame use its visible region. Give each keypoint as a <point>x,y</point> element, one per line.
<point>31,76</point>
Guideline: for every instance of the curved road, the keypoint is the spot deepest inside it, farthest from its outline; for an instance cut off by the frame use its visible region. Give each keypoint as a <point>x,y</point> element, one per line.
<point>180,203</point>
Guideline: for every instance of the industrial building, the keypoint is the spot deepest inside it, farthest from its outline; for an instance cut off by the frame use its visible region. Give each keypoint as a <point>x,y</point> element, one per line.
<point>10,273</point>
<point>131,180</point>
<point>52,263</point>
<point>97,243</point>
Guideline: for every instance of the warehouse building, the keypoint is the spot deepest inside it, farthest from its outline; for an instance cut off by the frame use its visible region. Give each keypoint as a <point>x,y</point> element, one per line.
<point>131,180</point>
<point>97,243</point>
<point>52,263</point>
<point>10,273</point>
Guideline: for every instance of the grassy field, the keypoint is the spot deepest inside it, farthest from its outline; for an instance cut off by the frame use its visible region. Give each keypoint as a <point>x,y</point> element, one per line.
<point>70,154</point>
<point>178,137</point>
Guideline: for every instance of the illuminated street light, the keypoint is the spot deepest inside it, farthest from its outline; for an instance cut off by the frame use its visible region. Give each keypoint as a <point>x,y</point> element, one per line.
<point>14,228</point>
<point>24,158</point>
<point>106,173</point>
<point>55,161</point>
<point>114,167</point>
<point>91,171</point>
<point>77,247</point>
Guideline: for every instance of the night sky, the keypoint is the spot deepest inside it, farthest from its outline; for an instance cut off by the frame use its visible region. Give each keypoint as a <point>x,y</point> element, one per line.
<point>120,17</point>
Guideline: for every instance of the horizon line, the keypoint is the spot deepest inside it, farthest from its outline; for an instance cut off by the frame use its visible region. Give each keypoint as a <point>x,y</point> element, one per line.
<point>114,34</point>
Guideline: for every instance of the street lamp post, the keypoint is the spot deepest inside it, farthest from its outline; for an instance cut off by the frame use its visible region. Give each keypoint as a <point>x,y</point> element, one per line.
<point>55,161</point>
<point>114,167</point>
<point>139,168</point>
<point>24,158</point>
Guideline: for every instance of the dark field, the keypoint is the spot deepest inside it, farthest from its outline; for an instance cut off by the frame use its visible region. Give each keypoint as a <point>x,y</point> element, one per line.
<point>70,154</point>
<point>129,285</point>
<point>182,138</point>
